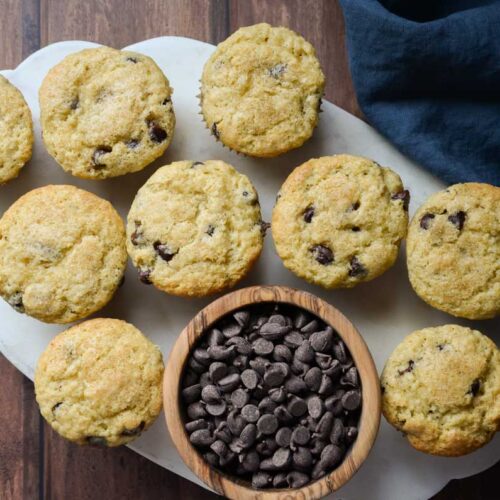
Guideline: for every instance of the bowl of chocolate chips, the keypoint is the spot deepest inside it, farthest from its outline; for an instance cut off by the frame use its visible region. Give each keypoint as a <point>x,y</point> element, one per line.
<point>271,391</point>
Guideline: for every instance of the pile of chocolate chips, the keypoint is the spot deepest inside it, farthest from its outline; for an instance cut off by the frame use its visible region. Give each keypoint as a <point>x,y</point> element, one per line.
<point>271,395</point>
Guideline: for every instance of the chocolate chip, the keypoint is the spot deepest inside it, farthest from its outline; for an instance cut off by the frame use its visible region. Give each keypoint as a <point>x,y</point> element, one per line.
<point>275,375</point>
<point>242,318</point>
<point>408,369</point>
<point>216,409</point>
<point>210,230</point>
<point>96,441</point>
<point>263,347</point>
<point>297,479</point>
<point>248,435</point>
<point>131,59</point>
<point>293,340</point>
<point>229,382</point>
<point>316,407</point>
<point>282,414</point>
<point>301,435</point>
<point>267,424</point>
<point>134,431</point>
<point>313,378</point>
<point>278,394</point>
<point>196,411</point>
<point>98,154</point>
<point>337,433</point>
<point>458,219</point>
<point>334,370</point>
<point>305,352</point>
<point>74,104</point>
<point>356,268</point>
<point>215,337</point>
<point>251,461</point>
<point>250,378</point>
<point>279,480</point>
<point>322,254</point>
<point>277,70</point>
<point>425,221</point>
<point>282,458</point>
<point>350,377</point>
<point>340,351</point>
<point>261,479</point>
<point>144,276</point>
<point>274,331</point>
<point>231,330</point>
<point>355,229</point>
<point>283,437</point>
<point>355,206</point>
<point>310,327</point>
<point>221,353</point>
<point>192,393</point>
<point>403,195</point>
<point>16,301</point>
<point>166,101</point>
<point>350,434</point>
<point>324,426</point>
<point>156,133</point>
<point>474,388</point>
<point>215,131</point>
<point>235,423</point>
<point>295,385</point>
<point>351,400</point>
<point>322,341</point>
<point>164,251</point>
<point>330,456</point>
<point>297,406</point>
<point>250,413</point>
<point>302,458</point>
<point>201,437</point>
<point>210,394</point>
<point>267,447</point>
<point>301,319</point>
<point>217,371</point>
<point>282,353</point>
<point>326,387</point>
<point>308,214</point>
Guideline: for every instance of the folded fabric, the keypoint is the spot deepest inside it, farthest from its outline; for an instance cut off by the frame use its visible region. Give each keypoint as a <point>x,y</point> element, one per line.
<point>427,76</point>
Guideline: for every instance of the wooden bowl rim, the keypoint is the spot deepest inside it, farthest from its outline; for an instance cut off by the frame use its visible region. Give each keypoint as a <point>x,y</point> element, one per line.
<point>369,422</point>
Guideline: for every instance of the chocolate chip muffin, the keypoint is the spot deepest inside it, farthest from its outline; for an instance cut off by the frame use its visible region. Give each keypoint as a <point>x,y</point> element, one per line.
<point>195,228</point>
<point>441,387</point>
<point>62,253</point>
<point>106,112</point>
<point>100,383</point>
<point>339,220</point>
<point>261,91</point>
<point>16,131</point>
<point>453,251</point>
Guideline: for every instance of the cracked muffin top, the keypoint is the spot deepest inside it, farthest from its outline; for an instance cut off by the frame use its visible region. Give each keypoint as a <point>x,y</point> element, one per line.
<point>195,228</point>
<point>106,112</point>
<point>453,251</point>
<point>339,220</point>
<point>99,383</point>
<point>441,387</point>
<point>261,91</point>
<point>62,253</point>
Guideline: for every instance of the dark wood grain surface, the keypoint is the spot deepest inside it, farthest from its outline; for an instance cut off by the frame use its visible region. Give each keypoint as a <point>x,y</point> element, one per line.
<point>35,463</point>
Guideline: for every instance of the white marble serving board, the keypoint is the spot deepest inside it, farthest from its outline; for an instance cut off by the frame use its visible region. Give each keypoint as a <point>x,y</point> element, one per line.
<point>384,310</point>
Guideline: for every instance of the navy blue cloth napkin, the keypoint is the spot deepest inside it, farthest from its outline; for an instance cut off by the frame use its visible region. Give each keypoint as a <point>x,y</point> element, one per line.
<point>427,76</point>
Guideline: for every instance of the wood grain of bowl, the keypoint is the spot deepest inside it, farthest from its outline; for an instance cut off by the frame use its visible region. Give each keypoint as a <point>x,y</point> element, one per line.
<point>231,486</point>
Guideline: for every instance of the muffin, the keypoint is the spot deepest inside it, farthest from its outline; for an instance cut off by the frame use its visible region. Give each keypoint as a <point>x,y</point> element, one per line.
<point>261,91</point>
<point>453,251</point>
<point>16,131</point>
<point>62,253</point>
<point>106,112</point>
<point>441,387</point>
<point>100,383</point>
<point>339,220</point>
<point>195,228</point>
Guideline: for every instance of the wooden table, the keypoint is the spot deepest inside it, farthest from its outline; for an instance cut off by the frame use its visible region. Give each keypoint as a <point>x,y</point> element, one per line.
<point>35,463</point>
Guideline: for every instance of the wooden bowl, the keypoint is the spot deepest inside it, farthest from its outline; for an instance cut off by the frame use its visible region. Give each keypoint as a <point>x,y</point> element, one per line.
<point>231,486</point>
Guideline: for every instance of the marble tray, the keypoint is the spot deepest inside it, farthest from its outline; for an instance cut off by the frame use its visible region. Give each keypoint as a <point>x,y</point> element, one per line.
<point>384,310</point>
